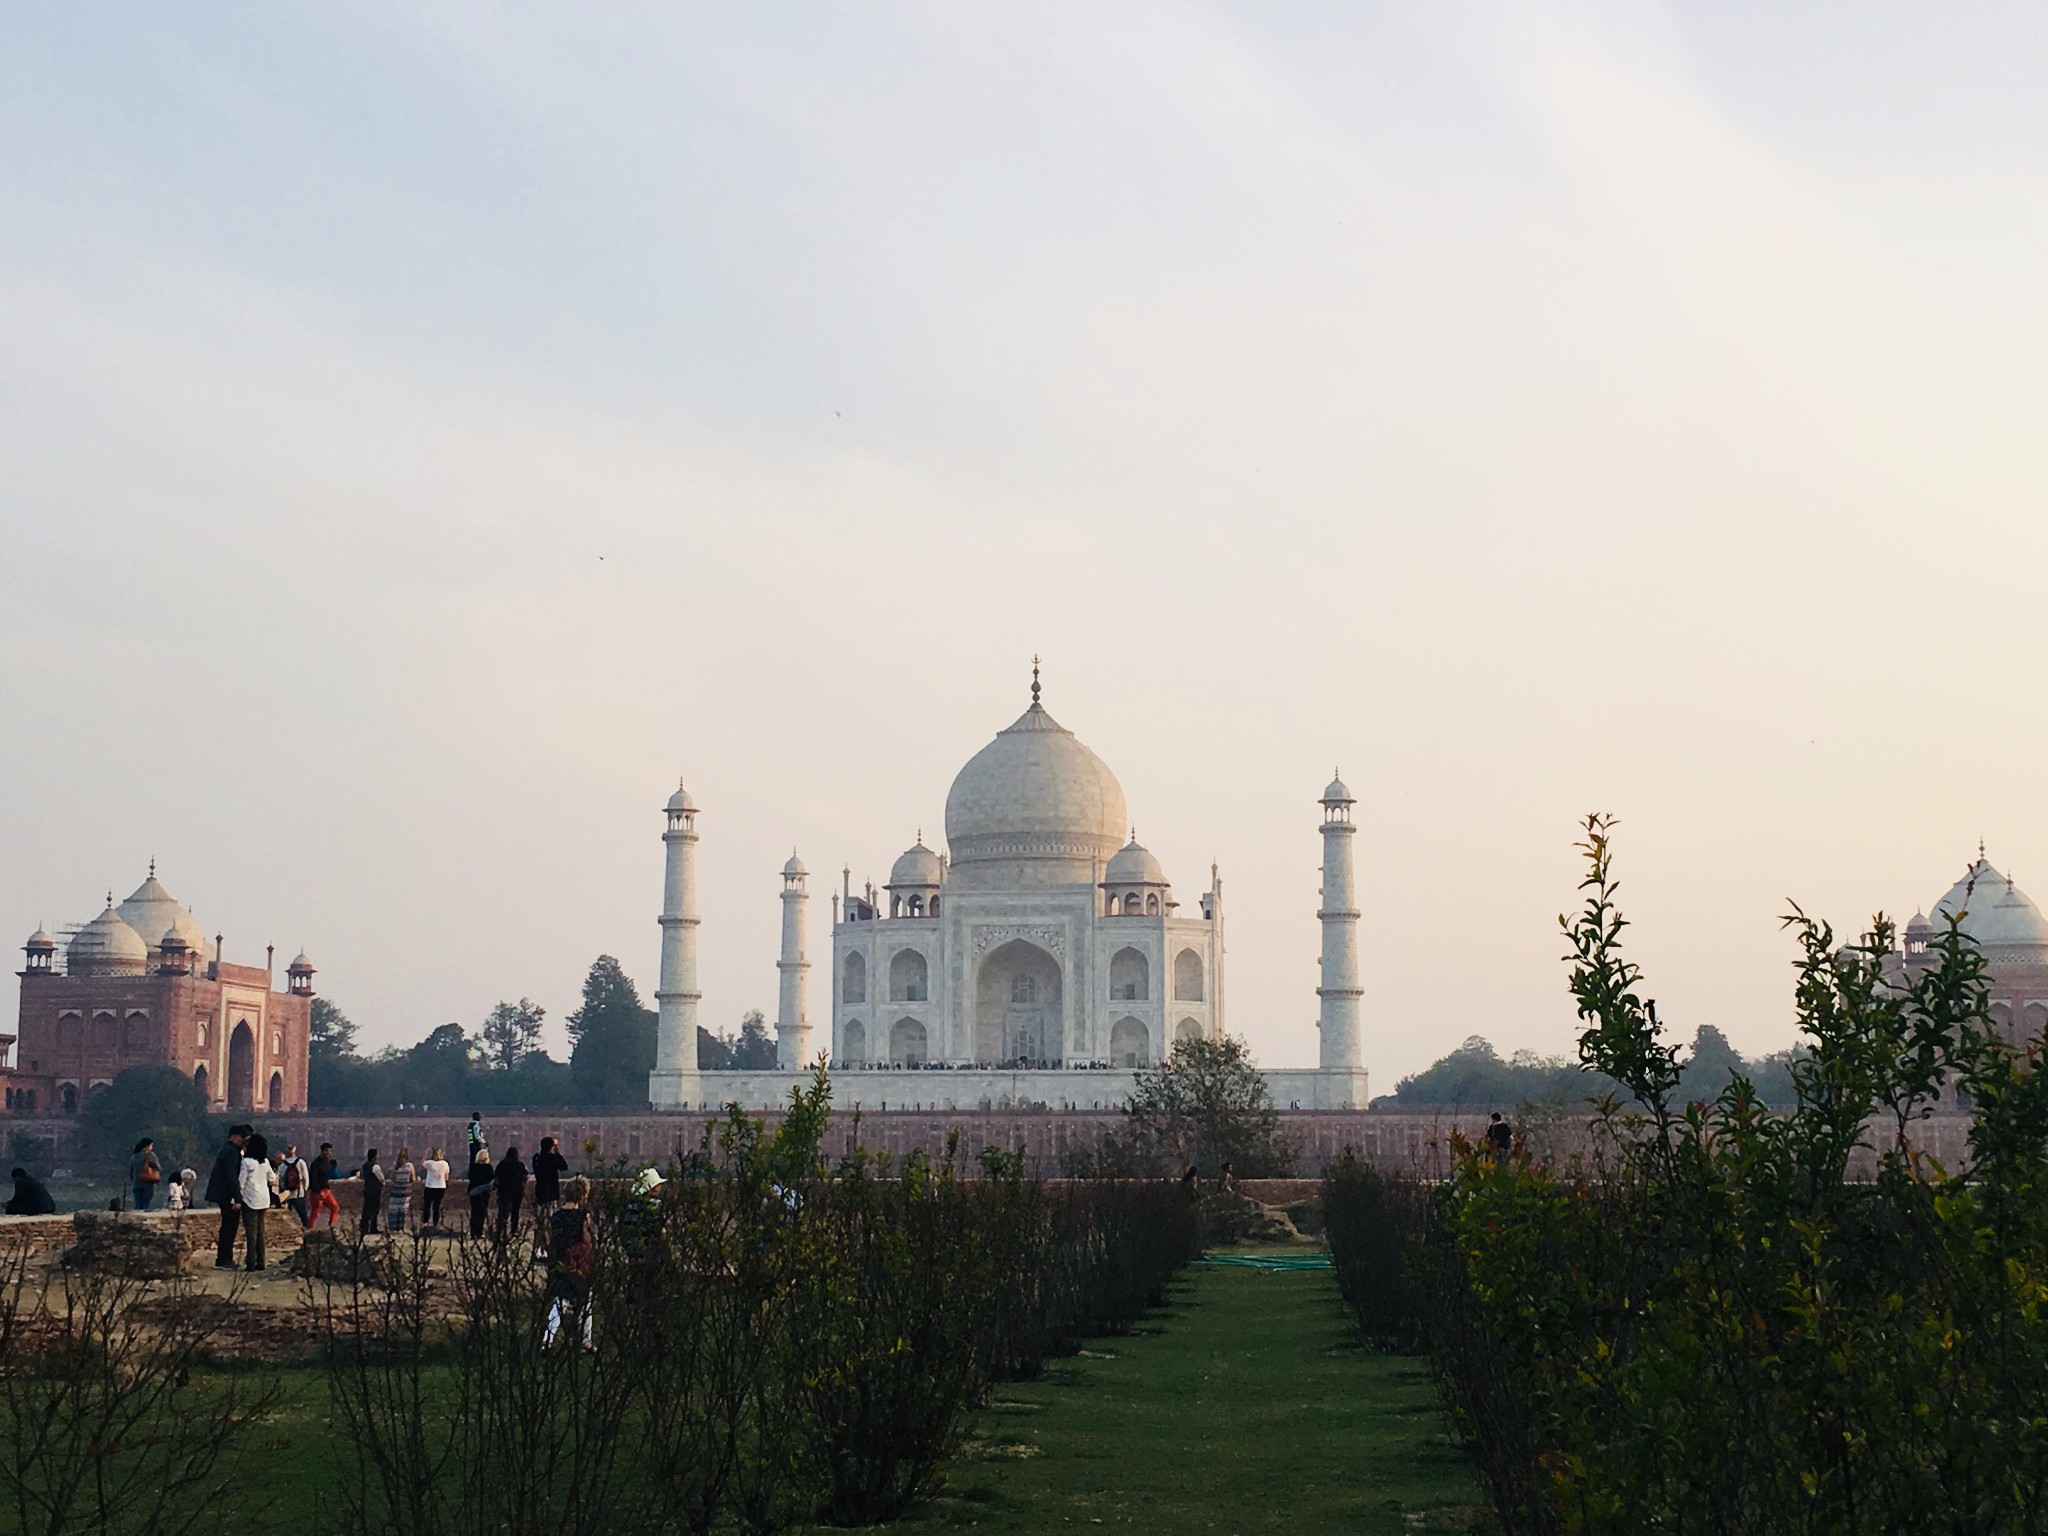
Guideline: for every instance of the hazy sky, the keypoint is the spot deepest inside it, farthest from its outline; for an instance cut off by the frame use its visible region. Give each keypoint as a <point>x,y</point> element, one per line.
<point>427,430</point>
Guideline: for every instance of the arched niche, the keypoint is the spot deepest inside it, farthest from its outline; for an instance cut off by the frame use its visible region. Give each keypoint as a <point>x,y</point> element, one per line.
<point>1187,976</point>
<point>1018,994</point>
<point>1130,976</point>
<point>1130,1043</point>
<point>909,977</point>
<point>907,1043</point>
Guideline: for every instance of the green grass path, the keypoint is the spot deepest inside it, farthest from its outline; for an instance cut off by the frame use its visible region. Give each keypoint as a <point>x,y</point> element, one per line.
<point>1243,1406</point>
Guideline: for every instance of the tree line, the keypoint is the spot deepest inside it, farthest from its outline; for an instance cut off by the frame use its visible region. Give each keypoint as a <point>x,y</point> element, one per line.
<point>1477,1075</point>
<point>501,1062</point>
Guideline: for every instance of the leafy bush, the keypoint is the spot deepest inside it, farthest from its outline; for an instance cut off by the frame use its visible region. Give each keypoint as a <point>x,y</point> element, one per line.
<point>1374,1220</point>
<point>1736,1320</point>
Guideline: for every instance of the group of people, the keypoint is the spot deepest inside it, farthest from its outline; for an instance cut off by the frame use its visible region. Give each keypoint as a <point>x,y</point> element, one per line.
<point>248,1179</point>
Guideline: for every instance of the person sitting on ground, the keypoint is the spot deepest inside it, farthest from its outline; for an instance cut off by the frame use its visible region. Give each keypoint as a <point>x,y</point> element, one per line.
<point>1500,1136</point>
<point>256,1200</point>
<point>372,1175</point>
<point>31,1198</point>
<point>144,1173</point>
<point>320,1178</point>
<point>480,1177</point>
<point>510,1182</point>
<point>224,1189</point>
<point>433,1187</point>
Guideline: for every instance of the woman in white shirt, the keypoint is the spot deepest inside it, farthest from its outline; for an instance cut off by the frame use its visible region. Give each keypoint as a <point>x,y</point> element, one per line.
<point>255,1192</point>
<point>434,1181</point>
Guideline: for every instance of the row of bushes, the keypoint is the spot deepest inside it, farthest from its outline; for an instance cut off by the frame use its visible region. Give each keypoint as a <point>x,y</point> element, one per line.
<point>1733,1320</point>
<point>770,1341</point>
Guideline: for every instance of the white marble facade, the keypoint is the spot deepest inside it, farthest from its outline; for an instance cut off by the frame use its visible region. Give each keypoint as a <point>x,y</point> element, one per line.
<point>1044,958</point>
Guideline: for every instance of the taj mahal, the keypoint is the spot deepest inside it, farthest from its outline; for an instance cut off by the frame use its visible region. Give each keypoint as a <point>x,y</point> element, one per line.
<point>1042,959</point>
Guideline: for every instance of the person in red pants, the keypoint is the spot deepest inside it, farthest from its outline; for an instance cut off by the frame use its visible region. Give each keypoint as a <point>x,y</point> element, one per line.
<point>320,1195</point>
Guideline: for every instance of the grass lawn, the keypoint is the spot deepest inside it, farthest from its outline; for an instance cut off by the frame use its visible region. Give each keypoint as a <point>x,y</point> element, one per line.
<point>1243,1406</point>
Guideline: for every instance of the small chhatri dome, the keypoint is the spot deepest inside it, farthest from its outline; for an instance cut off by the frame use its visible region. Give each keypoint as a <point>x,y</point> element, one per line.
<point>1919,924</point>
<point>300,967</point>
<point>1134,865</point>
<point>40,942</point>
<point>1338,793</point>
<point>680,800</point>
<point>795,866</point>
<point>917,865</point>
<point>106,946</point>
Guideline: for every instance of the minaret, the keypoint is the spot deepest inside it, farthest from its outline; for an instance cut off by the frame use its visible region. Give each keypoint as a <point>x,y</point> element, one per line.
<point>792,1024</point>
<point>673,1083</point>
<point>1343,1062</point>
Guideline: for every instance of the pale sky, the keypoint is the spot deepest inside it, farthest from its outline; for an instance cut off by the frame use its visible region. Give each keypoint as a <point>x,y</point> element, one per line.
<point>427,431</point>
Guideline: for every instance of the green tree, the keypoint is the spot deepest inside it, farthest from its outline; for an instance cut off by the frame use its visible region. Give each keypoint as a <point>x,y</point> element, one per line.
<point>159,1102</point>
<point>612,1039</point>
<point>511,1033</point>
<point>714,1052</point>
<point>1712,1064</point>
<point>334,1036</point>
<point>756,1049</point>
<point>1207,1104</point>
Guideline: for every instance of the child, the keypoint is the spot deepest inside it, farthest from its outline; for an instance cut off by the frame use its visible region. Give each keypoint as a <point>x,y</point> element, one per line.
<point>179,1196</point>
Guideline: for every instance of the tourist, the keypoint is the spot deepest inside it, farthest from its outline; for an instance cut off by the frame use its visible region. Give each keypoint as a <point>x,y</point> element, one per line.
<point>572,1250</point>
<point>293,1177</point>
<point>477,1138</point>
<point>320,1188</point>
<point>510,1182</point>
<point>433,1186</point>
<point>30,1198</point>
<point>1500,1136</point>
<point>224,1189</point>
<point>372,1175</point>
<point>179,1196</point>
<point>1228,1181</point>
<point>144,1173</point>
<point>548,1167</point>
<point>254,1189</point>
<point>480,1177</point>
<point>399,1201</point>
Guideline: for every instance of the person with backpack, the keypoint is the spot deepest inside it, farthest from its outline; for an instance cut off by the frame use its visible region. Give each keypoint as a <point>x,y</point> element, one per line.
<point>144,1173</point>
<point>292,1178</point>
<point>319,1188</point>
<point>372,1175</point>
<point>572,1253</point>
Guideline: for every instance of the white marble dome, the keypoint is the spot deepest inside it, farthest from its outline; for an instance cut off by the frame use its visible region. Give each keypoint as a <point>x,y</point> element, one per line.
<point>153,911</point>
<point>106,946</point>
<point>1034,806</point>
<point>1994,911</point>
<point>680,800</point>
<point>917,865</point>
<point>1134,865</point>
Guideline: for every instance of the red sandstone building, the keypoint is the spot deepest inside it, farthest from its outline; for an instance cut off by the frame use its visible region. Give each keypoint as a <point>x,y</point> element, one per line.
<point>137,989</point>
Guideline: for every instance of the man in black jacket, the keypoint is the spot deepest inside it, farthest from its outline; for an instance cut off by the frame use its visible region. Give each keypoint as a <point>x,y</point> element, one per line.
<point>224,1189</point>
<point>31,1198</point>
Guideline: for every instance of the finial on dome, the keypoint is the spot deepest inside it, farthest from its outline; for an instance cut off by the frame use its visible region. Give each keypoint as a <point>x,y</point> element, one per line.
<point>152,866</point>
<point>110,896</point>
<point>1034,682</point>
<point>1980,848</point>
